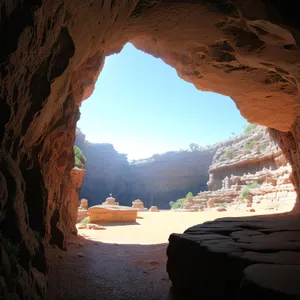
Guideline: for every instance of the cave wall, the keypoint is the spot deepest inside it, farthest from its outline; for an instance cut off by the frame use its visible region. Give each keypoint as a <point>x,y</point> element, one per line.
<point>53,51</point>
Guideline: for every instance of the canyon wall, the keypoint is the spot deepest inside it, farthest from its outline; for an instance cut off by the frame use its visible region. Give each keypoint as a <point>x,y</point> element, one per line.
<point>156,180</point>
<point>250,171</point>
<point>51,55</point>
<point>245,154</point>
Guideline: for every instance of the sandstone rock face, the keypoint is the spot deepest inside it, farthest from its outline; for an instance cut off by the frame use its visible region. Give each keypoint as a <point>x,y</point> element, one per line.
<point>156,180</point>
<point>54,53</point>
<point>250,176</point>
<point>76,177</point>
<point>246,154</point>
<point>100,214</point>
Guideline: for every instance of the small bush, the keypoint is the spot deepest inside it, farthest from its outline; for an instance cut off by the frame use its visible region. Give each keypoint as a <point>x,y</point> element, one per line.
<point>223,204</point>
<point>249,128</point>
<point>79,158</point>
<point>249,146</point>
<point>253,185</point>
<point>245,191</point>
<point>188,195</point>
<point>177,204</point>
<point>229,153</point>
<point>85,220</point>
<point>264,147</point>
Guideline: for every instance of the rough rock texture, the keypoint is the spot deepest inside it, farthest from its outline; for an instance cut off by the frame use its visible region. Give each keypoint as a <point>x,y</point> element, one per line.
<point>156,180</point>
<point>246,154</point>
<point>215,257</point>
<point>52,53</point>
<point>247,171</point>
<point>112,214</point>
<point>73,200</point>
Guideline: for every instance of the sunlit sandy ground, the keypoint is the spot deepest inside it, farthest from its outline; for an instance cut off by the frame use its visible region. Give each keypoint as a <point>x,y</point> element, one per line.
<point>155,227</point>
<point>123,262</point>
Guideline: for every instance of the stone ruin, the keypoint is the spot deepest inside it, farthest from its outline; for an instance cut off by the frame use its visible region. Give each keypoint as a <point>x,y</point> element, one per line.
<point>139,205</point>
<point>110,201</point>
<point>82,210</point>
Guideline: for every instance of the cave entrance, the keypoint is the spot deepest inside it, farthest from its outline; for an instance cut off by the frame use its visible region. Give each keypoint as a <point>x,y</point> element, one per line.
<point>134,128</point>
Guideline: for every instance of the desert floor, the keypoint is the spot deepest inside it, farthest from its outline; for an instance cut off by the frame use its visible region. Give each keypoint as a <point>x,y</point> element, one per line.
<point>123,261</point>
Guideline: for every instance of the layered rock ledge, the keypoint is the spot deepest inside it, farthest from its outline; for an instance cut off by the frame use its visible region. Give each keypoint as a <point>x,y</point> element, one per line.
<point>237,258</point>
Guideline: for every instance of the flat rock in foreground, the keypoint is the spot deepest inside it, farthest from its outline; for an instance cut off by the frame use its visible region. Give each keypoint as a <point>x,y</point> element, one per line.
<point>238,258</point>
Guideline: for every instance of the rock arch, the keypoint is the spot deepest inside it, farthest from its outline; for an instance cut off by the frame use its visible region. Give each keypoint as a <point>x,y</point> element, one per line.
<point>53,51</point>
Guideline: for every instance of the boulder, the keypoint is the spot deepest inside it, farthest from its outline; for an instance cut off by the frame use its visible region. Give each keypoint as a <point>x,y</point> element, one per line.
<point>153,209</point>
<point>138,204</point>
<point>112,213</point>
<point>213,258</point>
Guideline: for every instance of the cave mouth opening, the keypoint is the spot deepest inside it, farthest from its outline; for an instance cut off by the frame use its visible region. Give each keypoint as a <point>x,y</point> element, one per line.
<point>51,58</point>
<point>120,114</point>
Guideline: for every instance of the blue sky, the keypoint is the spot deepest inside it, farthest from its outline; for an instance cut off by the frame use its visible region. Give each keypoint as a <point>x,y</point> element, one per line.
<point>142,107</point>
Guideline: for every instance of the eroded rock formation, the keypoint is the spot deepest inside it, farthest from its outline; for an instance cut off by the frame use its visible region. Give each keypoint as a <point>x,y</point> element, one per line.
<point>52,53</point>
<point>248,171</point>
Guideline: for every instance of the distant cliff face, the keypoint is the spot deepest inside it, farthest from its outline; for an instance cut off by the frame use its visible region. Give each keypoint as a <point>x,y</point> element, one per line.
<point>246,154</point>
<point>170,176</point>
<point>106,172</point>
<point>156,181</point>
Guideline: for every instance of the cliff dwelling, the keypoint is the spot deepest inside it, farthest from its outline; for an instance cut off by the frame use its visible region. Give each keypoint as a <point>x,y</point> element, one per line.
<point>51,55</point>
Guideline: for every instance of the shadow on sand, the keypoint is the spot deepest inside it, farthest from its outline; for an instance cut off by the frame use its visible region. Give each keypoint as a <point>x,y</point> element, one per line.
<point>120,224</point>
<point>94,270</point>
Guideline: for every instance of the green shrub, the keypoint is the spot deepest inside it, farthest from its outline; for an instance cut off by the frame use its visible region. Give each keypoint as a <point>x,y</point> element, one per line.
<point>264,147</point>
<point>245,191</point>
<point>79,158</point>
<point>249,146</point>
<point>85,220</point>
<point>229,153</point>
<point>249,128</point>
<point>253,185</point>
<point>188,195</point>
<point>177,204</point>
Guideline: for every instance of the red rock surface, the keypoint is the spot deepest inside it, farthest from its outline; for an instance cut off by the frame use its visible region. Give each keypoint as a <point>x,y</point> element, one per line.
<point>52,53</point>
